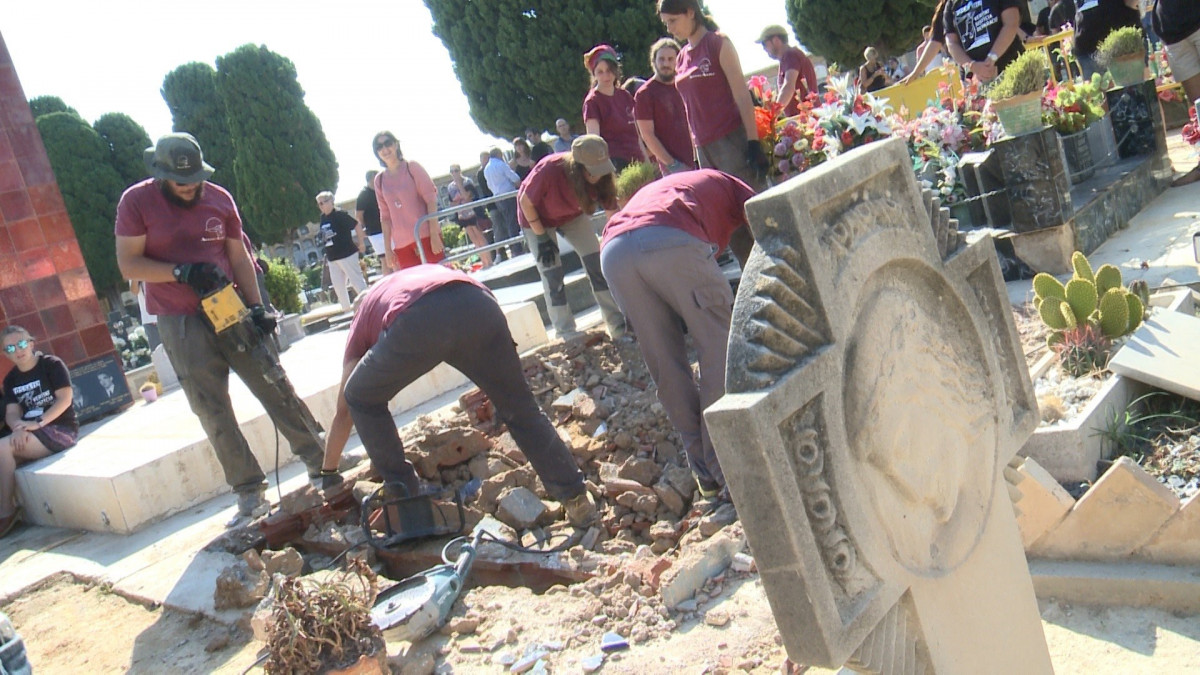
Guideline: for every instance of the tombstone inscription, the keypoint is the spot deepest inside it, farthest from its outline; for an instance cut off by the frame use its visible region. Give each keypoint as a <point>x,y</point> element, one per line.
<point>875,393</point>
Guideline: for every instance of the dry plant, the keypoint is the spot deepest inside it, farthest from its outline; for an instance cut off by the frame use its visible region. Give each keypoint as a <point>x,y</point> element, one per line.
<point>1051,408</point>
<point>318,625</point>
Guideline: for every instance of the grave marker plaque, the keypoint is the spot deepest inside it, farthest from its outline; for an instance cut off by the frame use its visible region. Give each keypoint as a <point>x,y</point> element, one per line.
<point>875,393</point>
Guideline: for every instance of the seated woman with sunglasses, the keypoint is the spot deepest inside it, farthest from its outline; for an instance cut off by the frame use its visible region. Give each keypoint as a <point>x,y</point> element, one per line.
<point>37,407</point>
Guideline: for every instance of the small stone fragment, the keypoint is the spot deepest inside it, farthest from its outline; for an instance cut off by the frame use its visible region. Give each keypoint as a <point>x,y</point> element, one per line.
<point>464,625</point>
<point>742,563</point>
<point>287,562</point>
<point>710,524</point>
<point>520,509</point>
<point>592,663</point>
<point>716,617</point>
<point>611,642</point>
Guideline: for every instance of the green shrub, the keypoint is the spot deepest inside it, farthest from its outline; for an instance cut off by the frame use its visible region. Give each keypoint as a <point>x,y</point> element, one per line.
<point>1025,75</point>
<point>633,178</point>
<point>284,285</point>
<point>1120,42</point>
<point>453,236</point>
<point>312,278</point>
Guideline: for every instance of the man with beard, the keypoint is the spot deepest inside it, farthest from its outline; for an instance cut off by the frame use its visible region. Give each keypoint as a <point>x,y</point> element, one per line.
<point>658,112</point>
<point>797,77</point>
<point>182,236</point>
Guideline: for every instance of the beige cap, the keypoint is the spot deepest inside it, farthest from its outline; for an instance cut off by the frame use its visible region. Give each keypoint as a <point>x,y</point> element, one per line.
<point>772,31</point>
<point>592,152</point>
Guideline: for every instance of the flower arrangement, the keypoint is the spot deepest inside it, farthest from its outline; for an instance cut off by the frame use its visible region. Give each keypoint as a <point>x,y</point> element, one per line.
<point>941,134</point>
<point>1071,109</point>
<point>1191,130</point>
<point>827,126</point>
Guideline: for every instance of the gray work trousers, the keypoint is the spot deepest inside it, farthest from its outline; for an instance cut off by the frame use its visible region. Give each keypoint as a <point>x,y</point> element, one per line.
<point>463,326</point>
<point>203,359</point>
<point>728,154</point>
<point>583,239</point>
<point>666,280</point>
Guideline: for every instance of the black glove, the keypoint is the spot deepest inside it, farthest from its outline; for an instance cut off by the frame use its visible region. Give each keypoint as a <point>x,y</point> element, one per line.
<point>755,157</point>
<point>547,249</point>
<point>204,278</point>
<point>264,322</point>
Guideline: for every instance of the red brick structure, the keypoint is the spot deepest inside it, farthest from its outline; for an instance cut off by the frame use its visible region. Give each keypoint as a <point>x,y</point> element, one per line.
<point>44,285</point>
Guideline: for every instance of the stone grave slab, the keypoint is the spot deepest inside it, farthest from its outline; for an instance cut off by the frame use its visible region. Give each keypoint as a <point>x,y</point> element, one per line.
<point>1044,503</point>
<point>875,392</point>
<point>1164,352</point>
<point>1036,178</point>
<point>1137,120</point>
<point>1178,542</point>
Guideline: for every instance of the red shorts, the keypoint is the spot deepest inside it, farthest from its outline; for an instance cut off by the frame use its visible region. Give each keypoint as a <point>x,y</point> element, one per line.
<point>408,257</point>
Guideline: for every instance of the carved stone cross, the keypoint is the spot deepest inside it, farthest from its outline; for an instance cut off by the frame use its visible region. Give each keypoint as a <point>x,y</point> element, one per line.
<point>875,392</point>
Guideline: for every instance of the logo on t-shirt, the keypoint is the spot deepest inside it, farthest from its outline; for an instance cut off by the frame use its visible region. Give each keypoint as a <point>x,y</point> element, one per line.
<point>703,68</point>
<point>214,230</point>
<point>973,20</point>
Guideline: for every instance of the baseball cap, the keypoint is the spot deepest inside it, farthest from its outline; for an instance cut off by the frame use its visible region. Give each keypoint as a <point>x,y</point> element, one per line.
<point>177,157</point>
<point>592,152</point>
<point>772,31</point>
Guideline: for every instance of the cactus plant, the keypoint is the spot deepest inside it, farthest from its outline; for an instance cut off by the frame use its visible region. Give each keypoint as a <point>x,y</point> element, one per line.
<point>1083,269</point>
<point>1082,298</point>
<point>1141,289</point>
<point>1137,312</point>
<point>1083,350</point>
<point>1114,313</point>
<point>1107,277</point>
<point>1045,286</point>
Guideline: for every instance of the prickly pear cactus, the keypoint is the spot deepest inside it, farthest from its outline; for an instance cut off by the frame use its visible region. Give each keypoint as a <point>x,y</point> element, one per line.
<point>1107,278</point>
<point>1114,313</point>
<point>1083,269</point>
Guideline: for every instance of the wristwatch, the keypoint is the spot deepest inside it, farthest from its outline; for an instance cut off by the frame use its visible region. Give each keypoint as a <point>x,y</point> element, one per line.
<point>992,58</point>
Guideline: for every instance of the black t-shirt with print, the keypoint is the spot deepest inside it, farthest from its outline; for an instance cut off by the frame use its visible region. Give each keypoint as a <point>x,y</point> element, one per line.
<point>1175,20</point>
<point>34,390</point>
<point>370,208</point>
<point>1095,19</point>
<point>977,24</point>
<point>337,231</point>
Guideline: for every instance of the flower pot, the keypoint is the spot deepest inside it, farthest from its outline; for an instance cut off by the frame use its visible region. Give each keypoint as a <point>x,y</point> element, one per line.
<point>1129,69</point>
<point>1020,115</point>
<point>1174,113</point>
<point>1102,143</point>
<point>150,395</point>
<point>1079,156</point>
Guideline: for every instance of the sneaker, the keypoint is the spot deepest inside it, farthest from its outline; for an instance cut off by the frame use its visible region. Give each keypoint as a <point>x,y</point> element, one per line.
<point>251,506</point>
<point>581,510</point>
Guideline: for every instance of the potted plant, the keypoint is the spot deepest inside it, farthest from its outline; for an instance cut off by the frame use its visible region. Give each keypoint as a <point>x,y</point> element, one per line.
<point>1017,94</point>
<point>151,388</point>
<point>1071,113</point>
<point>1123,52</point>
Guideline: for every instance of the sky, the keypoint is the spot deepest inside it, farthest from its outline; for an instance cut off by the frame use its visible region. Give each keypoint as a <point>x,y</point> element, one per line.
<point>364,65</point>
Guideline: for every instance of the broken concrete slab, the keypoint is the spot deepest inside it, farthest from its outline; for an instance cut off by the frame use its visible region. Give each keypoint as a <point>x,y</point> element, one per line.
<point>447,447</point>
<point>1091,532</point>
<point>520,509</point>
<point>697,564</point>
<point>1177,542</point>
<point>1044,503</point>
<point>1162,353</point>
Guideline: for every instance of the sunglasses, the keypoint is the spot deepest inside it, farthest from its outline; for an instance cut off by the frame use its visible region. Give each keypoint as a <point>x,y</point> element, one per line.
<point>12,349</point>
<point>389,143</point>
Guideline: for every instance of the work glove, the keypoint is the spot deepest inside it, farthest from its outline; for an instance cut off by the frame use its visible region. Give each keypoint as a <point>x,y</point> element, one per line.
<point>547,249</point>
<point>264,322</point>
<point>755,157</point>
<point>204,278</point>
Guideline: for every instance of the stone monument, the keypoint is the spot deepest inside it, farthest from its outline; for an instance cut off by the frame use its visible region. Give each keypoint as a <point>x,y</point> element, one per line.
<point>876,392</point>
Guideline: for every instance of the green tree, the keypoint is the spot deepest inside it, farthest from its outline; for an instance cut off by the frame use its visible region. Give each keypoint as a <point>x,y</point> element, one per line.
<point>44,105</point>
<point>283,157</point>
<point>90,188</point>
<point>191,94</point>
<point>520,62</point>
<point>841,30</point>
<point>127,141</point>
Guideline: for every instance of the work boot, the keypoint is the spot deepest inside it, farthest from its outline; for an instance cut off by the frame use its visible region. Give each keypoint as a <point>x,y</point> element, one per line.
<point>251,505</point>
<point>581,510</point>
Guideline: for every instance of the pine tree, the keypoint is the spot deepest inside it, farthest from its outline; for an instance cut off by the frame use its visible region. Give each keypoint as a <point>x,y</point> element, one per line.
<point>841,30</point>
<point>191,94</point>
<point>282,158</point>
<point>44,105</point>
<point>90,188</point>
<point>127,142</point>
<point>520,62</point>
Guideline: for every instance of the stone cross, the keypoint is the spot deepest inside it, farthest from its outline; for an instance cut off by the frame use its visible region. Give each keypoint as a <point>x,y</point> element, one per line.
<point>876,392</point>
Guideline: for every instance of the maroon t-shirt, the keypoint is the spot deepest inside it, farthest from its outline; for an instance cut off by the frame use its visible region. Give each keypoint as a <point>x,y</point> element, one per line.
<point>179,235</point>
<point>806,81</point>
<point>661,104</point>
<point>707,204</point>
<point>711,111</point>
<point>548,187</point>
<point>615,114</point>
<point>390,296</point>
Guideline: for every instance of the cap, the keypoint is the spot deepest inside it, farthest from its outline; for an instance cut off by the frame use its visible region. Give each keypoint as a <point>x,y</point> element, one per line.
<point>592,152</point>
<point>772,31</point>
<point>598,52</point>
<point>177,157</point>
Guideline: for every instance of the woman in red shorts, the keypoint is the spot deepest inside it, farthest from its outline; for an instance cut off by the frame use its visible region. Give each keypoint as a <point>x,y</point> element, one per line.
<point>405,193</point>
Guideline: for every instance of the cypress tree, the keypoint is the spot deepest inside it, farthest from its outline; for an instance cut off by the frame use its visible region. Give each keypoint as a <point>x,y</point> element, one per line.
<point>126,141</point>
<point>841,30</point>
<point>44,105</point>
<point>191,94</point>
<point>90,188</point>
<point>282,158</point>
<point>520,62</point>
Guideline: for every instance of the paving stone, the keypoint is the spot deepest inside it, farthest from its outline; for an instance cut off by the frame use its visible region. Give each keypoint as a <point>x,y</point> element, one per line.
<point>697,564</point>
<point>1162,353</point>
<point>1044,503</point>
<point>1119,514</point>
<point>1177,542</point>
<point>520,508</point>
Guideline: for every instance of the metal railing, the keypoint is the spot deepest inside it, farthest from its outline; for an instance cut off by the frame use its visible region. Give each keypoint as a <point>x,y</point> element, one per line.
<point>436,215</point>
